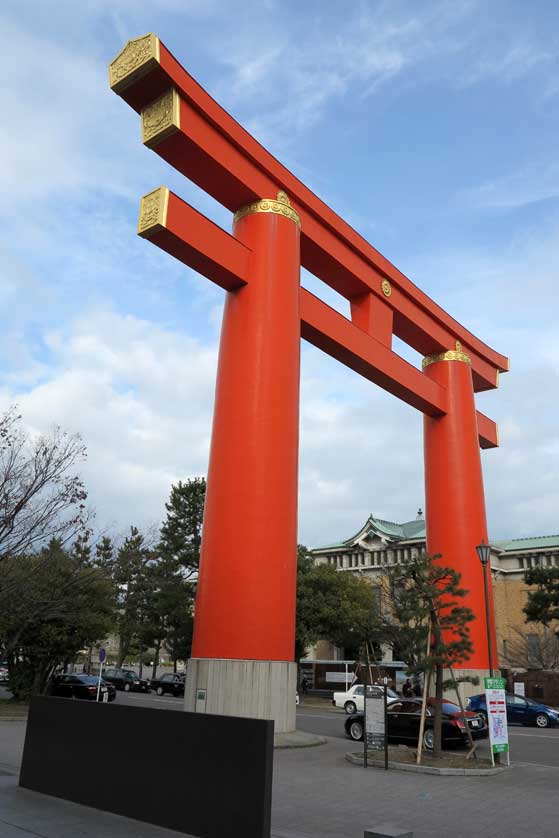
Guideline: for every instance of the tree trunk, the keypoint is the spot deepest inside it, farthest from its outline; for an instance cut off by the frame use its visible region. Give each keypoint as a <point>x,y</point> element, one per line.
<point>175,665</point>
<point>438,719</point>
<point>141,667</point>
<point>156,659</point>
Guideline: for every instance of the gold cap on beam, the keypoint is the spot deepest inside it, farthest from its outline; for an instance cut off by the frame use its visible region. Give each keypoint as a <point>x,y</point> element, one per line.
<point>161,118</point>
<point>153,212</point>
<point>135,60</point>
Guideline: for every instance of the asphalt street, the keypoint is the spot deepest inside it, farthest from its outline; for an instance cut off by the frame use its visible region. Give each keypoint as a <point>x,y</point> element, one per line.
<point>529,746</point>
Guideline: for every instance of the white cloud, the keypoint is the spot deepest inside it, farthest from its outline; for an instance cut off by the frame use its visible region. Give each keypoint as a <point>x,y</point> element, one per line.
<point>537,180</point>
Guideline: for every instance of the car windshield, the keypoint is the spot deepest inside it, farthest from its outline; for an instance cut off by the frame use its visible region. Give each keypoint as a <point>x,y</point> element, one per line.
<point>450,707</point>
<point>88,679</point>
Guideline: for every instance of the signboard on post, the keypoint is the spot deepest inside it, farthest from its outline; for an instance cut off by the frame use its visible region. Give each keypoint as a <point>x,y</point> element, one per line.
<point>519,688</point>
<point>495,701</point>
<point>374,724</point>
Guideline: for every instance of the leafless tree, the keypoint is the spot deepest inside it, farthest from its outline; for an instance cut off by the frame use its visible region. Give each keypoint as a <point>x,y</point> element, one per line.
<point>533,651</point>
<point>41,495</point>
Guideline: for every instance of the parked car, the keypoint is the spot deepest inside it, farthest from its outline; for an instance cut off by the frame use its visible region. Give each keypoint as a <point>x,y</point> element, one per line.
<point>169,683</point>
<point>520,710</point>
<point>353,700</point>
<point>126,679</point>
<point>81,686</point>
<point>404,717</point>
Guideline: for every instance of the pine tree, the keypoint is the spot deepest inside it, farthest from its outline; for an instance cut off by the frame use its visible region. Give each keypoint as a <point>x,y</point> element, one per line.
<point>181,533</point>
<point>543,603</point>
<point>427,599</point>
<point>131,577</point>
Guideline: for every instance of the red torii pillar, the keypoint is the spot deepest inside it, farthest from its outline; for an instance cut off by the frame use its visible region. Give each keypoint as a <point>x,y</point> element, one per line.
<point>454,496</point>
<point>244,635</point>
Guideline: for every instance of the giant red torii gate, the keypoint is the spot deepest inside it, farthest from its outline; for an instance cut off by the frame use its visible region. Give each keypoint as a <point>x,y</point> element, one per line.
<point>244,622</point>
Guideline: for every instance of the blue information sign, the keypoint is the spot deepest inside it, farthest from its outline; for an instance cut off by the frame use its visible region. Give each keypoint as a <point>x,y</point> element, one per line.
<point>102,655</point>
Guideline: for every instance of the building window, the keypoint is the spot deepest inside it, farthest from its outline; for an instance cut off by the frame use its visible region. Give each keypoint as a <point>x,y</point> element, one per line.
<point>533,644</point>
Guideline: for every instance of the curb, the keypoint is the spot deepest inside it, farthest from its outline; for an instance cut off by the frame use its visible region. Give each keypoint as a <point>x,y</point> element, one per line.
<point>13,719</point>
<point>297,739</point>
<point>357,759</point>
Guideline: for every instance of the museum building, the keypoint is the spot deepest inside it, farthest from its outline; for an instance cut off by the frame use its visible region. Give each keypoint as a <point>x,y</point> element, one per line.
<point>380,544</point>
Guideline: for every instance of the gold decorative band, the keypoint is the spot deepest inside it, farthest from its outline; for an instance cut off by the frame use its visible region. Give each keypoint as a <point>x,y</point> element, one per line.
<point>450,355</point>
<point>135,60</point>
<point>153,212</point>
<point>161,118</point>
<point>280,206</point>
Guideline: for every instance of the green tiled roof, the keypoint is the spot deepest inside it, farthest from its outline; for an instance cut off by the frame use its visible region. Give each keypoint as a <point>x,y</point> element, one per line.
<point>397,532</point>
<point>534,543</point>
<point>416,529</point>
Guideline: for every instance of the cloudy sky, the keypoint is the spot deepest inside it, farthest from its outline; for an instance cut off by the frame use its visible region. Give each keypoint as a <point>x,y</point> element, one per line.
<point>430,127</point>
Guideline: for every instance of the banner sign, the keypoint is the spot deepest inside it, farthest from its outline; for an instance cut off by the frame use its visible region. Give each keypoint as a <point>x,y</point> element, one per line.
<point>495,701</point>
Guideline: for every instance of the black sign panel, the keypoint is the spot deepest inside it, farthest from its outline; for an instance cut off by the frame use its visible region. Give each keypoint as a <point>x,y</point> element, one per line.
<point>201,774</point>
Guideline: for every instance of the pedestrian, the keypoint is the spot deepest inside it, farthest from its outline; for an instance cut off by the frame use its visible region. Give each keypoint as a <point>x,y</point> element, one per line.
<point>417,691</point>
<point>304,685</point>
<point>407,689</point>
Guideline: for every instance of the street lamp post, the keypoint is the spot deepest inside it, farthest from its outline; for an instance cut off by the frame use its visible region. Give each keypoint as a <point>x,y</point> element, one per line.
<point>484,551</point>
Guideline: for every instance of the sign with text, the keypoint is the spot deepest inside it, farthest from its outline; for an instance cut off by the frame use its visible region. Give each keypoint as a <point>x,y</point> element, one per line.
<point>374,720</point>
<point>519,688</point>
<point>496,703</point>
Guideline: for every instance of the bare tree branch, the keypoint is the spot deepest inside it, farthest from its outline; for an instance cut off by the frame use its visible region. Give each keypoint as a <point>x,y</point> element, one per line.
<point>41,496</point>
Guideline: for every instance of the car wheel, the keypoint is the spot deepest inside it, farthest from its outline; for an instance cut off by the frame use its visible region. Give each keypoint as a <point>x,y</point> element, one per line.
<point>542,720</point>
<point>159,691</point>
<point>350,707</point>
<point>429,739</point>
<point>127,688</point>
<point>356,731</point>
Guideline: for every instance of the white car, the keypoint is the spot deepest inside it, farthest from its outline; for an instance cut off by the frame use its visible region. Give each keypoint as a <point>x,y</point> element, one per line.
<point>354,699</point>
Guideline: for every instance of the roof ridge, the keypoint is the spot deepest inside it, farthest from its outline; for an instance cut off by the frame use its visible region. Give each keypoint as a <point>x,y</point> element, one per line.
<point>524,538</point>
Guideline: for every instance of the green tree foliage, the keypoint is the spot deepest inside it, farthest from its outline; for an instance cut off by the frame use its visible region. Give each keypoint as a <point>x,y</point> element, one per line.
<point>543,602</point>
<point>133,581</point>
<point>59,604</point>
<point>181,532</point>
<point>427,601</point>
<point>339,607</point>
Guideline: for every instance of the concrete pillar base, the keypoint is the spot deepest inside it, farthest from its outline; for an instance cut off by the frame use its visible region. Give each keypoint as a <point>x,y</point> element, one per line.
<point>250,688</point>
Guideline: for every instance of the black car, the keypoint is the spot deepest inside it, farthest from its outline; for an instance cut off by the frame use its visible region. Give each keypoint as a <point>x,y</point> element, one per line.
<point>82,686</point>
<point>126,679</point>
<point>404,717</point>
<point>169,683</point>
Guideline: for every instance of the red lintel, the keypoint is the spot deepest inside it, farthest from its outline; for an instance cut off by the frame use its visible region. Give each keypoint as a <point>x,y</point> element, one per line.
<point>193,239</point>
<point>232,166</point>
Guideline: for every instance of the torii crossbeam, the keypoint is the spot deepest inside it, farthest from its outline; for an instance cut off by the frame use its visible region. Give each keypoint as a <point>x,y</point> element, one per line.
<point>244,621</point>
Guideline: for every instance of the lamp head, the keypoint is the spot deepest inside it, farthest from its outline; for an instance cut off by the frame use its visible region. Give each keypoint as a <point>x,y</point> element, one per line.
<point>484,551</point>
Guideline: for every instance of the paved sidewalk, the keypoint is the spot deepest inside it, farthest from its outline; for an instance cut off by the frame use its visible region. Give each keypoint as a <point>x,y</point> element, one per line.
<point>26,814</point>
<point>317,794</point>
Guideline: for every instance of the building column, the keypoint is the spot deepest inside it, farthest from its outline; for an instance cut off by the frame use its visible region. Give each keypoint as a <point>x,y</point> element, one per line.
<point>455,503</point>
<point>244,629</point>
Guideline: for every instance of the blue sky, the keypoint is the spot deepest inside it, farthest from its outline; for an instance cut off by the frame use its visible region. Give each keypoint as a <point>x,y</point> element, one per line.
<point>430,127</point>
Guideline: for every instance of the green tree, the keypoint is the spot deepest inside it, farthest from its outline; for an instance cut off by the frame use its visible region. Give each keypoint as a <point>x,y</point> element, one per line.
<point>76,609</point>
<point>339,607</point>
<point>543,602</point>
<point>427,602</point>
<point>132,580</point>
<point>181,532</point>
